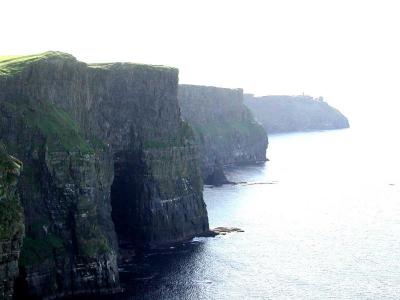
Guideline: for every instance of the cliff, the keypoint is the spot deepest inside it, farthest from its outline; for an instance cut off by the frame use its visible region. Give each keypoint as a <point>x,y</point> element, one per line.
<point>225,129</point>
<point>295,113</point>
<point>95,139</point>
<point>11,223</point>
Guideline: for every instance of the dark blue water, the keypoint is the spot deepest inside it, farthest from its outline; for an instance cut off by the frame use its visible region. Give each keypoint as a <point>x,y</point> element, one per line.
<point>321,221</point>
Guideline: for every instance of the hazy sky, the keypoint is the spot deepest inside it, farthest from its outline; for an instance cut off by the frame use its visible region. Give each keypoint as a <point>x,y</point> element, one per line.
<point>345,50</point>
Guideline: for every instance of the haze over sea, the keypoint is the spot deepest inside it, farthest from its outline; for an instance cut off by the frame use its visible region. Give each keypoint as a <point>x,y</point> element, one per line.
<point>322,217</point>
<point>321,221</point>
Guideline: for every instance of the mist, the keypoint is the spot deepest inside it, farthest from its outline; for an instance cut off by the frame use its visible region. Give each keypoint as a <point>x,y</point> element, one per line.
<point>345,51</point>
<point>141,181</point>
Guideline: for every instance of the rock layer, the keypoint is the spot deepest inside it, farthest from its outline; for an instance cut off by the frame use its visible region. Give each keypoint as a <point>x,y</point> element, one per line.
<point>225,129</point>
<point>70,245</point>
<point>295,113</point>
<point>92,136</point>
<point>11,223</point>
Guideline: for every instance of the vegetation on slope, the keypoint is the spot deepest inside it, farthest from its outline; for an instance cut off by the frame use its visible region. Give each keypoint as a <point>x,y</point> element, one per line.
<point>10,208</point>
<point>10,65</point>
<point>55,124</point>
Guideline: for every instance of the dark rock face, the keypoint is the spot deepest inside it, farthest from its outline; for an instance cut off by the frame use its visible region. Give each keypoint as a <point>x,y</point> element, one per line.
<point>217,176</point>
<point>70,243</point>
<point>92,136</point>
<point>225,129</point>
<point>295,113</point>
<point>11,223</point>
<point>157,191</point>
<point>160,201</point>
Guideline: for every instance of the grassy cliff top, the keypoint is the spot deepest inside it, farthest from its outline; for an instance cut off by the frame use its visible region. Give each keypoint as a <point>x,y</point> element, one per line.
<point>12,59</point>
<point>128,65</point>
<point>13,64</point>
<point>10,65</point>
<point>209,88</point>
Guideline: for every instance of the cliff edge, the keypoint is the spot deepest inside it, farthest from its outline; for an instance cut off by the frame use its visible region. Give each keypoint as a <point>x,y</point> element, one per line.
<point>295,113</point>
<point>225,129</point>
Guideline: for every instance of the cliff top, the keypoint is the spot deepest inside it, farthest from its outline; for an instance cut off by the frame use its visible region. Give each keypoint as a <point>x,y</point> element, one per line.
<point>282,97</point>
<point>127,65</point>
<point>209,87</point>
<point>10,65</point>
<point>14,64</point>
<point>4,60</point>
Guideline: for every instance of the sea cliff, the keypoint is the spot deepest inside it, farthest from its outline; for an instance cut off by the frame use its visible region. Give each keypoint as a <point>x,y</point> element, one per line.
<point>107,161</point>
<point>225,129</point>
<point>295,113</point>
<point>11,223</point>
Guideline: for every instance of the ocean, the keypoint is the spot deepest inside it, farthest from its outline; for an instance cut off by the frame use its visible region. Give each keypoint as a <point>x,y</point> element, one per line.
<point>321,220</point>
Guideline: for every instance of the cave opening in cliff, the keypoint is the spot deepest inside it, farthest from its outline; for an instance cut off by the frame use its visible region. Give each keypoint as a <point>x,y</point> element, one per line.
<point>127,194</point>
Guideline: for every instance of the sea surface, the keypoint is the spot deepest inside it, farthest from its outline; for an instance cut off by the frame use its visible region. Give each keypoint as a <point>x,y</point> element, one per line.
<point>321,221</point>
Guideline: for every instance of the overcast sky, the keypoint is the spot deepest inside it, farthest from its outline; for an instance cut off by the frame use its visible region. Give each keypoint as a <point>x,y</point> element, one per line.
<point>345,50</point>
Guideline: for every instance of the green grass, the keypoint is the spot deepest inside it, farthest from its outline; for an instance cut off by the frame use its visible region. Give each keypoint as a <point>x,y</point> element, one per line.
<point>55,124</point>
<point>128,65</point>
<point>6,58</point>
<point>14,64</point>
<point>61,132</point>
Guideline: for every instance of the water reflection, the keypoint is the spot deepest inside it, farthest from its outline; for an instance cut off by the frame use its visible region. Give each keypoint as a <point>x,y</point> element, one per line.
<point>327,229</point>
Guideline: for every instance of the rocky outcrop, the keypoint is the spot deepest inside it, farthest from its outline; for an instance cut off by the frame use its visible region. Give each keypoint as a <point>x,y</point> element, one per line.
<point>225,129</point>
<point>295,113</point>
<point>11,223</point>
<point>95,139</point>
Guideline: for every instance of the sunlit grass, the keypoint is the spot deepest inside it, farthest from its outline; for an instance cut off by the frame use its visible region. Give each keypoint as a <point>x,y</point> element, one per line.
<point>8,57</point>
<point>13,64</point>
<point>128,65</point>
<point>5,60</point>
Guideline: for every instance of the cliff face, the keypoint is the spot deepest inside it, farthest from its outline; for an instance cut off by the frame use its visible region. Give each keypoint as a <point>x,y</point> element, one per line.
<point>92,137</point>
<point>157,191</point>
<point>295,113</point>
<point>225,129</point>
<point>11,223</point>
<point>70,243</point>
